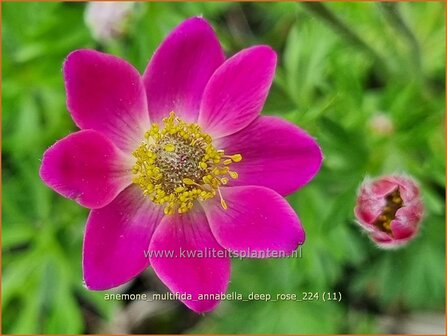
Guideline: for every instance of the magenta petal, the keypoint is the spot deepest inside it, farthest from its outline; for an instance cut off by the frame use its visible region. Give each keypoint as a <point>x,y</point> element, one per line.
<point>385,241</point>
<point>236,92</point>
<point>87,167</point>
<point>401,230</point>
<point>408,188</point>
<point>381,237</point>
<point>117,239</point>
<point>106,93</point>
<point>370,204</point>
<point>194,273</point>
<point>411,214</point>
<point>275,154</point>
<point>381,188</point>
<point>257,219</point>
<point>179,70</point>
<point>406,224</point>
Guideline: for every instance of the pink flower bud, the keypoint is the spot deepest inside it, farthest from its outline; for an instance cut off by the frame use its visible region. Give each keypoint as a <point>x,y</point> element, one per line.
<point>390,210</point>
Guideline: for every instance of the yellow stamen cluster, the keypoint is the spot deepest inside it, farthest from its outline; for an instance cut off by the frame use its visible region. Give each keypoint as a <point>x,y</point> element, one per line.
<point>178,164</point>
<point>393,203</point>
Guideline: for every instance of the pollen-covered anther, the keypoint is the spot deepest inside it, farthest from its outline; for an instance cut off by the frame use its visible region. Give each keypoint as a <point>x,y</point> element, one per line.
<point>393,203</point>
<point>177,164</point>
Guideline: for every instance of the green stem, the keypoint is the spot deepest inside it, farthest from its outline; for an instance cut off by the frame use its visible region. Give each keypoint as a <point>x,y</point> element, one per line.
<point>322,12</point>
<point>394,17</point>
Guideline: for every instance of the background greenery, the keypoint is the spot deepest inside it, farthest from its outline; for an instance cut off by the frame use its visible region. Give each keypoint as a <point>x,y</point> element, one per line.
<point>339,65</point>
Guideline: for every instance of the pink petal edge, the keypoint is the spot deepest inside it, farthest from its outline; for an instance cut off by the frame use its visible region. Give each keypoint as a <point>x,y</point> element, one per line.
<point>87,167</point>
<point>176,76</point>
<point>193,275</point>
<point>106,93</point>
<point>275,154</point>
<point>116,239</point>
<point>257,222</point>
<point>236,92</point>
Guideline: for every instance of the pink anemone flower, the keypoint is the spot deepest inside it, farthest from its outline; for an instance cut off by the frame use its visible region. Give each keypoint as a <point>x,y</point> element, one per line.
<point>390,210</point>
<point>177,160</point>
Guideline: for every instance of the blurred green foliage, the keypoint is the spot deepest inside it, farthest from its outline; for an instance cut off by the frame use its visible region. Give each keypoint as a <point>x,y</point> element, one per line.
<point>325,83</point>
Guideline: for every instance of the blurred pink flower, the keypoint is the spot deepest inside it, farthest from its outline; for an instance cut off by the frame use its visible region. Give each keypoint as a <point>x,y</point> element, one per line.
<point>381,124</point>
<point>107,19</point>
<point>390,210</point>
<point>151,162</point>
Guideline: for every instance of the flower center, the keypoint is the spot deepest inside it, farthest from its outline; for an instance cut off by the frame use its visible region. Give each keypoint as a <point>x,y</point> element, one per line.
<point>178,164</point>
<point>393,203</point>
